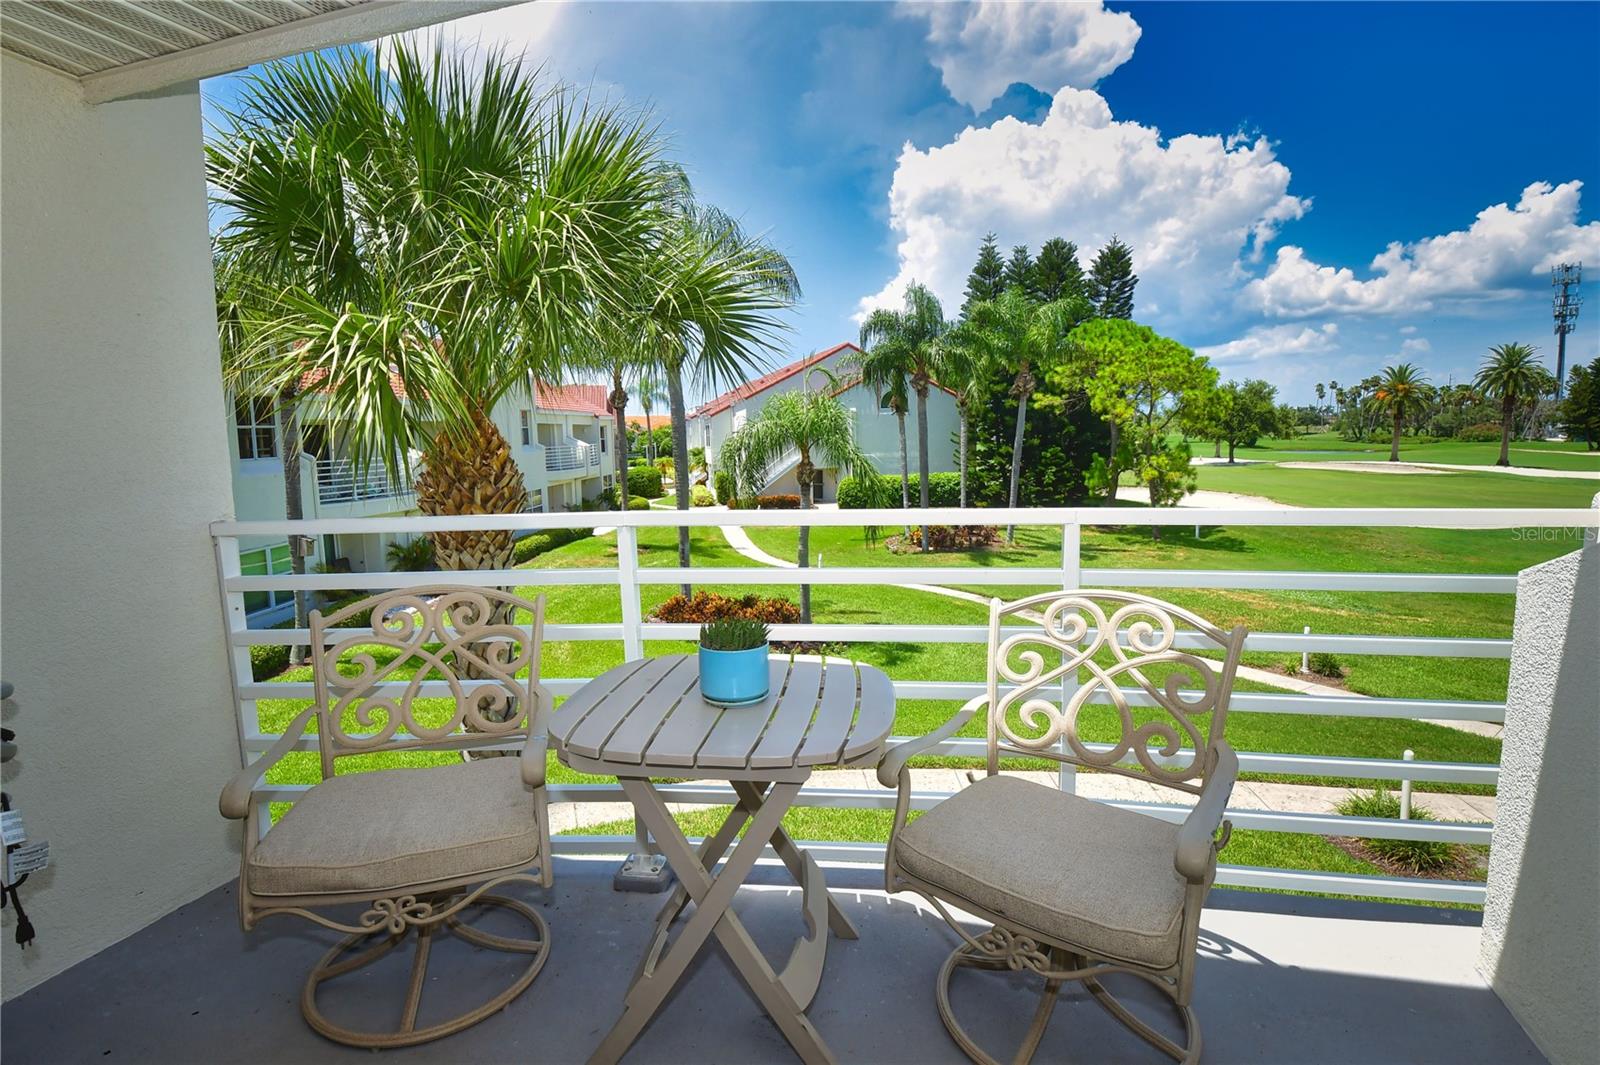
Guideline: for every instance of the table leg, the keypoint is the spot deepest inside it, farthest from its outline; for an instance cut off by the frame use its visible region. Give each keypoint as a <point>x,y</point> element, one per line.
<point>795,859</point>
<point>713,915</point>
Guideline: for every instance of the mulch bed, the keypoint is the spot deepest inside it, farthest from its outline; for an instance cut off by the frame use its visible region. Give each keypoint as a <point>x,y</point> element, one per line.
<point>1467,863</point>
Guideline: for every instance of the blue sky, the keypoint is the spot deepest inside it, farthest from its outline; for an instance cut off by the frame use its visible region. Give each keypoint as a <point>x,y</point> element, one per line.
<point>1262,159</point>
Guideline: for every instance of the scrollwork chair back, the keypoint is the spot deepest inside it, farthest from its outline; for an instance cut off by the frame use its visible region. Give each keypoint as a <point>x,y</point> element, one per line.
<point>468,639</point>
<point>1079,648</point>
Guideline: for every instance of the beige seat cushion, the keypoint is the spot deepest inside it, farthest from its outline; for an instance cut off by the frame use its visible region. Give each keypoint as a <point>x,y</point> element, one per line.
<point>396,828</point>
<point>1076,870</point>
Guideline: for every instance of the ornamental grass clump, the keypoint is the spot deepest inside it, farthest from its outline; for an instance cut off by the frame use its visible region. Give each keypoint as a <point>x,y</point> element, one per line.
<point>733,634</point>
<point>1413,855</point>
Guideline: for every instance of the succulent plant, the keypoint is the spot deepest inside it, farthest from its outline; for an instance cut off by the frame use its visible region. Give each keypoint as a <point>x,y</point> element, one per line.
<point>732,634</point>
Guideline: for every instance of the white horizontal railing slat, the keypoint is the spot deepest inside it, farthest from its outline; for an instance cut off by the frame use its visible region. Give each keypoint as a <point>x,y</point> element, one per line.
<point>628,575</point>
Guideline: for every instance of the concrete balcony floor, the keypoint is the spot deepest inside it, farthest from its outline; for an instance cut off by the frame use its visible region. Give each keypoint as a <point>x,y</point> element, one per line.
<point>1282,979</point>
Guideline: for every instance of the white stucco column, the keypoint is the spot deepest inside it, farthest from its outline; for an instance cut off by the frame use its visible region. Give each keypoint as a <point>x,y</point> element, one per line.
<point>1541,926</point>
<point>112,433</point>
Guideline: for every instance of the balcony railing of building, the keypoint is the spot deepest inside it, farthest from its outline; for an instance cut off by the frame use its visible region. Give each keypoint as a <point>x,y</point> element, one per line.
<point>570,454</point>
<point>340,481</point>
<point>635,635</point>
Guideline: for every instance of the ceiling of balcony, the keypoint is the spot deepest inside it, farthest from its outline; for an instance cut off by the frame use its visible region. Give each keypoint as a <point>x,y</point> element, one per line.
<point>90,36</point>
<point>117,48</point>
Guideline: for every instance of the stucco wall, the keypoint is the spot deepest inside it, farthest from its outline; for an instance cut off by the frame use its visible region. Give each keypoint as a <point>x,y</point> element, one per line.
<point>115,461</point>
<point>1541,926</point>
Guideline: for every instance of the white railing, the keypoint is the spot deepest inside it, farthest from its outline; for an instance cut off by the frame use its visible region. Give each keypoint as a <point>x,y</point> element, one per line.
<point>634,632</point>
<point>340,481</point>
<point>570,455</point>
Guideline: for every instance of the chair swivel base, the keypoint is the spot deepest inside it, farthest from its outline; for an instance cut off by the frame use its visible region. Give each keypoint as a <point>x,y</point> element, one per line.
<point>967,956</point>
<point>407,1034</point>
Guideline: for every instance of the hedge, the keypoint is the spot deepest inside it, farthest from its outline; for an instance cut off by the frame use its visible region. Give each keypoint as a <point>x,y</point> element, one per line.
<point>709,606</point>
<point>779,502</point>
<point>944,490</point>
<point>700,496</point>
<point>644,481</point>
<point>540,542</point>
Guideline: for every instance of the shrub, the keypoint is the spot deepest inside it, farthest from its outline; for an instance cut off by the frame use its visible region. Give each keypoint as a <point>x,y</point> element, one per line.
<point>268,660</point>
<point>1415,855</point>
<point>782,502</point>
<point>709,606</point>
<point>948,538</point>
<point>540,542</point>
<point>858,493</point>
<point>645,481</point>
<point>1324,664</point>
<point>700,496</point>
<point>1482,433</point>
<point>413,556</point>
<point>723,483</point>
<point>609,499</point>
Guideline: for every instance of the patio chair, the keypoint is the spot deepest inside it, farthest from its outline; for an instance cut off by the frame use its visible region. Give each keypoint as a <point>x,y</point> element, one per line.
<point>1075,889</point>
<point>417,846</point>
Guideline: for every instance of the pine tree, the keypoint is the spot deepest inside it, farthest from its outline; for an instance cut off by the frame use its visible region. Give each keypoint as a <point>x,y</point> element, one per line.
<point>1056,272</point>
<point>987,279</point>
<point>1111,281</point>
<point>1020,273</point>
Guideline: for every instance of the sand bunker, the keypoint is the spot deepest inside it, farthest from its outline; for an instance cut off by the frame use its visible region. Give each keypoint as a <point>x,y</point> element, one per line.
<point>1365,467</point>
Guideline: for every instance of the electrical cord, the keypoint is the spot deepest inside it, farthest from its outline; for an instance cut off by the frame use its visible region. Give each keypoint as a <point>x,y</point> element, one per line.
<point>9,896</point>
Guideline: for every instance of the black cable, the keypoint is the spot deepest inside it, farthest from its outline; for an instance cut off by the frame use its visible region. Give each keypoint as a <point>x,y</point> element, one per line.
<point>9,894</point>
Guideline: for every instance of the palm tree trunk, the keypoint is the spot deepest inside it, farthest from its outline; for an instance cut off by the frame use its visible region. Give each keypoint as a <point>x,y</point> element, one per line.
<point>1016,463</point>
<point>803,475</point>
<point>680,447</point>
<point>472,476</point>
<point>1112,472</point>
<point>293,507</point>
<point>649,439</point>
<point>1023,386</point>
<point>1507,412</point>
<point>1394,441</point>
<point>963,459</point>
<point>922,456</point>
<point>619,404</point>
<point>905,468</point>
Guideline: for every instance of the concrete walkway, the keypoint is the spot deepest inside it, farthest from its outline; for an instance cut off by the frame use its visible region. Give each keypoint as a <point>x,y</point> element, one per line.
<point>1405,467</point>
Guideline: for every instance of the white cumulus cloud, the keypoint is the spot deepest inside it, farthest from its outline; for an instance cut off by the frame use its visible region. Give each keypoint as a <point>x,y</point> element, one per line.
<point>982,48</point>
<point>1500,252</point>
<point>1190,207</point>
<point>1272,341</point>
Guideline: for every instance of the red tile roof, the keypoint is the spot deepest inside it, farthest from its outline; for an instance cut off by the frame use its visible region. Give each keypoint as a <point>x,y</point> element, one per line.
<point>766,381</point>
<point>311,381</point>
<point>574,399</point>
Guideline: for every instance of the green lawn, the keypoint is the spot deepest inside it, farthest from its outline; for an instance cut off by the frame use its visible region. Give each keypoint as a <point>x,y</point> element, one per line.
<point>1348,488</point>
<point>1330,447</point>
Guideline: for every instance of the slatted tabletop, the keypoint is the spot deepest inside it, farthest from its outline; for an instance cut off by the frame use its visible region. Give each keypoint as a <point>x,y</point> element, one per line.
<point>649,713</point>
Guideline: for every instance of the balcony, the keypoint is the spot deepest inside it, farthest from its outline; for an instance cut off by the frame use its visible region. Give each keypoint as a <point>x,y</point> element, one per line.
<point>569,454</point>
<point>1283,977</point>
<point>340,481</point>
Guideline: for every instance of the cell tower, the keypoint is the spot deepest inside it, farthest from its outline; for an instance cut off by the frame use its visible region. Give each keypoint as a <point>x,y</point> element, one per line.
<point>1565,278</point>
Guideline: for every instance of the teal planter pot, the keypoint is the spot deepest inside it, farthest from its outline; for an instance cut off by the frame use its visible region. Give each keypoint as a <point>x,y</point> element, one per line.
<point>734,678</point>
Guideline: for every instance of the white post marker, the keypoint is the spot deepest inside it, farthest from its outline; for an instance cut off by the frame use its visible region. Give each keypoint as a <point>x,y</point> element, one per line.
<point>1305,656</point>
<point>1405,789</point>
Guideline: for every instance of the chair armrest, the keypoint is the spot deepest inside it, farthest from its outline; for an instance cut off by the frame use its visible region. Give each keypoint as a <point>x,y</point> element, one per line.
<point>896,757</point>
<point>533,759</point>
<point>1197,835</point>
<point>234,802</point>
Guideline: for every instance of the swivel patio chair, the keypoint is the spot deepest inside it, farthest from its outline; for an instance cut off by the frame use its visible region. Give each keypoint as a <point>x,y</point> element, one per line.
<point>420,847</point>
<point>1074,889</point>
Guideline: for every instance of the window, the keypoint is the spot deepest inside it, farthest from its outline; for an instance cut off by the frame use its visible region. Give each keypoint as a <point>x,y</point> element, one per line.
<point>264,562</point>
<point>536,500</point>
<point>739,417</point>
<point>884,401</point>
<point>527,428</point>
<point>602,440</point>
<point>256,421</point>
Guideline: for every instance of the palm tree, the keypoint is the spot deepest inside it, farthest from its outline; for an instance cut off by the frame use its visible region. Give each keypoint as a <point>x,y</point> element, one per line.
<point>650,396</point>
<point>883,370</point>
<point>910,339</point>
<point>706,310</point>
<point>1014,331</point>
<point>813,424</point>
<point>965,364</point>
<point>1401,392</point>
<point>439,233</point>
<point>1511,374</point>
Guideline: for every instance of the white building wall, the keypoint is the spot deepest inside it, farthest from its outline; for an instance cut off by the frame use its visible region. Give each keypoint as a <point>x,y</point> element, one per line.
<point>115,461</point>
<point>1541,924</point>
